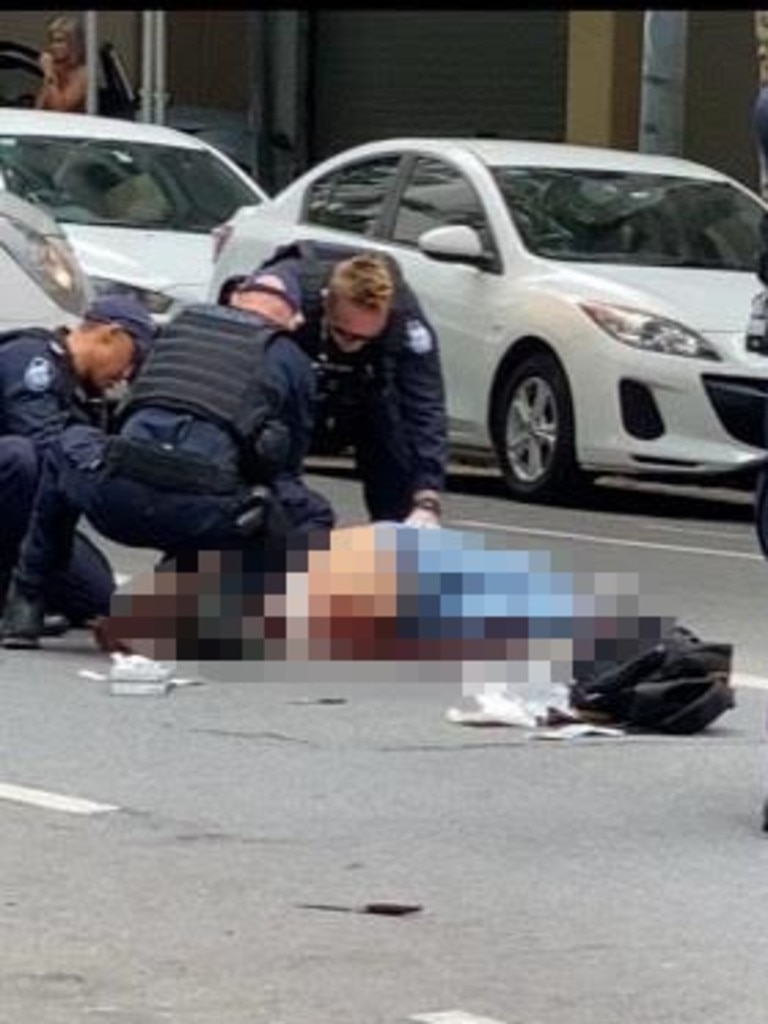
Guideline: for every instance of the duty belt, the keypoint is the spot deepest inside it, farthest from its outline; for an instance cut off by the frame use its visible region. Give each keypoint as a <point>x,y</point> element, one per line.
<point>167,469</point>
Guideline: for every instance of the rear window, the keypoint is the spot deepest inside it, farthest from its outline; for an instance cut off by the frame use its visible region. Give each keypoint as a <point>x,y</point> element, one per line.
<point>123,184</point>
<point>632,219</point>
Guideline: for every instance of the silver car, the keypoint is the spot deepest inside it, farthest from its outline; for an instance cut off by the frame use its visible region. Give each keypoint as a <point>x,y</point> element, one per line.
<point>41,281</point>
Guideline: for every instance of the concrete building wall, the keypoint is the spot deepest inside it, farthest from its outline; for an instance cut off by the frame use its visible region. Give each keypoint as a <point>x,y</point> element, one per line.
<point>207,64</point>
<point>605,82</point>
<point>208,58</point>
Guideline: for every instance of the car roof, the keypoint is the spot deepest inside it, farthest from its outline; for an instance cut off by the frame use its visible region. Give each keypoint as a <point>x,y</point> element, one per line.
<point>45,122</point>
<point>503,152</point>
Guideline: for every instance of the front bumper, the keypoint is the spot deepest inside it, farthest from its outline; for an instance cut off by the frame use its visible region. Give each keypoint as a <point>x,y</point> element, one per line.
<point>668,415</point>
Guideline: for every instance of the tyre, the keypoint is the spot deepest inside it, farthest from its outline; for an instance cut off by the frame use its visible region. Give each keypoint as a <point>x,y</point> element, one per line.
<point>534,432</point>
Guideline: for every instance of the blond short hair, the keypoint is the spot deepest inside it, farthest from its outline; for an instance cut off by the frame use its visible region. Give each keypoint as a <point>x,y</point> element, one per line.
<point>365,280</point>
<point>72,27</point>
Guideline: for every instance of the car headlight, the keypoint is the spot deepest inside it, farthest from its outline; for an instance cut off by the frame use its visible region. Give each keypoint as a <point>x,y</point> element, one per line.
<point>154,302</point>
<point>49,261</point>
<point>649,332</point>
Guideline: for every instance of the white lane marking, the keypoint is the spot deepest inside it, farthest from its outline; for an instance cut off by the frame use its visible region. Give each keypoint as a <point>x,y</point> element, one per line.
<point>749,681</point>
<point>453,1017</point>
<point>665,528</point>
<point>52,801</point>
<point>616,541</point>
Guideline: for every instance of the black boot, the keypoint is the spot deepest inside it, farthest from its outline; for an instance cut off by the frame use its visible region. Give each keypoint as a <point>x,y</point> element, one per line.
<point>24,620</point>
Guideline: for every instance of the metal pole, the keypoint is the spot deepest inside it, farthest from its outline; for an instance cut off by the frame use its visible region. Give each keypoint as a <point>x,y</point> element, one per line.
<point>254,89</point>
<point>266,173</point>
<point>760,110</point>
<point>662,101</point>
<point>92,62</point>
<point>147,69</point>
<point>160,64</point>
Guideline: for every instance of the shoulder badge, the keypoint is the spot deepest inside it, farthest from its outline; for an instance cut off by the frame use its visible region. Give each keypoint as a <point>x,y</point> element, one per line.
<point>418,337</point>
<point>38,375</point>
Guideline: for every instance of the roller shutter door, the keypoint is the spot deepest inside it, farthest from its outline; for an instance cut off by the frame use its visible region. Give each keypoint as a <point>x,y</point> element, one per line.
<point>383,73</point>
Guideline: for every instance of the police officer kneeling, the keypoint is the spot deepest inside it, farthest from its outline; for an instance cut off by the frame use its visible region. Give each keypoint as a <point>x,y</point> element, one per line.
<point>379,367</point>
<point>48,381</point>
<point>208,452</point>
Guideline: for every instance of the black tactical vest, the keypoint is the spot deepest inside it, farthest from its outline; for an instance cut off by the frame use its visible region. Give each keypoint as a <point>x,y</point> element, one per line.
<point>210,364</point>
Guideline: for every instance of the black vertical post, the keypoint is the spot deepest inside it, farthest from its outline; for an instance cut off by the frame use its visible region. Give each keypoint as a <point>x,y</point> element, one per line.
<point>253,112</point>
<point>305,119</point>
<point>267,133</point>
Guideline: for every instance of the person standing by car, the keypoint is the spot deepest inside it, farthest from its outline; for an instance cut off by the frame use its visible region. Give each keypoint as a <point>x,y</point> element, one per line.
<point>380,374</point>
<point>207,455</point>
<point>65,76</point>
<point>46,378</point>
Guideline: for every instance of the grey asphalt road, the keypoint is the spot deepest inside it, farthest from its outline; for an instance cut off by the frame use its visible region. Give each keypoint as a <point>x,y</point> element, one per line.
<point>602,881</point>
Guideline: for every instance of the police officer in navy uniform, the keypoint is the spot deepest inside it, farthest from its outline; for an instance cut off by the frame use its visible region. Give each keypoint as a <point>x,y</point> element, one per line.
<point>378,356</point>
<point>46,381</point>
<point>208,451</point>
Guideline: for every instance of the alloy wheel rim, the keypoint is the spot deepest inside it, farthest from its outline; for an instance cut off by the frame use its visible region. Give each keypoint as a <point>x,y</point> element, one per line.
<point>532,430</point>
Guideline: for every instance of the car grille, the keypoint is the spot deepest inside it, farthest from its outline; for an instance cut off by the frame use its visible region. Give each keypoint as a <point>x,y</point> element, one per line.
<point>741,405</point>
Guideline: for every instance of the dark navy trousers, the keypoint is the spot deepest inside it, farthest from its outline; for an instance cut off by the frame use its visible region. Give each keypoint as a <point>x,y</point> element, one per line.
<point>83,585</point>
<point>385,463</point>
<point>74,483</point>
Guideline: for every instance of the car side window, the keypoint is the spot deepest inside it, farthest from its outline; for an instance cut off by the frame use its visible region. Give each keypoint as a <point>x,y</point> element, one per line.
<point>435,196</point>
<point>352,198</point>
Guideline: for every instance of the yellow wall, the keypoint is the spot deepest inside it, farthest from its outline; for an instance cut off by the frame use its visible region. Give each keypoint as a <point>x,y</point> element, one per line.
<point>604,61</point>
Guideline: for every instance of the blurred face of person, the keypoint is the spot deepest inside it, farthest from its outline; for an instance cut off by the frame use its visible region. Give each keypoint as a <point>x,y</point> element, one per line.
<point>103,355</point>
<point>353,326</point>
<point>60,47</point>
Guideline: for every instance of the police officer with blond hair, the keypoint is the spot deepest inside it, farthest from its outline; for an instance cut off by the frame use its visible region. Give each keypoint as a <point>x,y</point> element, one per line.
<point>379,367</point>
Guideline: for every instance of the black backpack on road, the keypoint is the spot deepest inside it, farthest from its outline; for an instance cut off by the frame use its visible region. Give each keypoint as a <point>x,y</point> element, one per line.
<point>680,686</point>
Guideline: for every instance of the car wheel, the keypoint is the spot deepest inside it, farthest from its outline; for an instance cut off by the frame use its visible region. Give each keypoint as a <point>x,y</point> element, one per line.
<point>534,432</point>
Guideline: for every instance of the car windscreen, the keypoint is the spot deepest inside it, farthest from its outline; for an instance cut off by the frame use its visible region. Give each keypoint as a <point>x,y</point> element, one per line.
<point>630,218</point>
<point>123,184</point>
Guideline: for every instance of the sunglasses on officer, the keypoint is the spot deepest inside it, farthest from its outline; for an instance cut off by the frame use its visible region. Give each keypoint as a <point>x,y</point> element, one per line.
<point>352,326</point>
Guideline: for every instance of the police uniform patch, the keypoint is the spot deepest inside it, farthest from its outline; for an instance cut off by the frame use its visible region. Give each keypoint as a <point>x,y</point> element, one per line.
<point>38,375</point>
<point>419,337</point>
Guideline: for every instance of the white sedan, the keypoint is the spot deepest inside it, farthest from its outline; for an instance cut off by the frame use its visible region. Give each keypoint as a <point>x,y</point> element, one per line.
<point>41,282</point>
<point>590,303</point>
<point>138,201</point>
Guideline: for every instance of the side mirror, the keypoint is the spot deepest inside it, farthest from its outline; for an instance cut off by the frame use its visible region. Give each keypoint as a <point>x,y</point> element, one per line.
<point>455,243</point>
